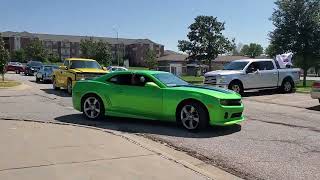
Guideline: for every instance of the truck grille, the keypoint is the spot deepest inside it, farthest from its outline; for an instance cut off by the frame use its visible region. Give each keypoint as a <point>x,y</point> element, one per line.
<point>210,80</point>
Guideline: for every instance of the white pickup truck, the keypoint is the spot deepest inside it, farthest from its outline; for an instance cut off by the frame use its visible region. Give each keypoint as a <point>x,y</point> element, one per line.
<point>254,74</point>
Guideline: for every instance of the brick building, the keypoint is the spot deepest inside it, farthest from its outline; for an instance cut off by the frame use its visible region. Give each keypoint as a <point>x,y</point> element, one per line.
<point>65,46</point>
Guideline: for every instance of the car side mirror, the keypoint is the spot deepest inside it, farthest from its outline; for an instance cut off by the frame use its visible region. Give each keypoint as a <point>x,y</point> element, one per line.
<point>151,84</point>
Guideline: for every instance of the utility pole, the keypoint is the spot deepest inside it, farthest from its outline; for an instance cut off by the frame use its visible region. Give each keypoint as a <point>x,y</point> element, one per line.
<point>117,44</point>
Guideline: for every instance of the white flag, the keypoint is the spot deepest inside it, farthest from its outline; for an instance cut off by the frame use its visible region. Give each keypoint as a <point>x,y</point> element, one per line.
<point>284,59</point>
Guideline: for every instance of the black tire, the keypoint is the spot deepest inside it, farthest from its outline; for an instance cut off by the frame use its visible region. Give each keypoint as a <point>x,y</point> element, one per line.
<point>17,72</point>
<point>319,100</point>
<point>287,86</point>
<point>54,85</point>
<point>69,86</point>
<point>84,105</point>
<point>37,79</point>
<point>236,86</point>
<point>201,113</point>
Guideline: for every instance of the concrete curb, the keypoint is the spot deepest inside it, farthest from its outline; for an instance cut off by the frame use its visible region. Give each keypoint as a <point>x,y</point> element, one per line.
<point>164,151</point>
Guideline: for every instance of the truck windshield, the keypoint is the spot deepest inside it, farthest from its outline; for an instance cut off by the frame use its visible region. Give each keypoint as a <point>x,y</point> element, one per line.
<point>84,64</point>
<point>236,65</point>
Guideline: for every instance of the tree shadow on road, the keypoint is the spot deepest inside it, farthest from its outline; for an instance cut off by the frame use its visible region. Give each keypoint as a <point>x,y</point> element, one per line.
<point>148,126</point>
<point>61,93</point>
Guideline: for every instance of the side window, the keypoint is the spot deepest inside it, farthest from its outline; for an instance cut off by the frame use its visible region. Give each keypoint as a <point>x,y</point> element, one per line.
<point>66,63</point>
<point>254,66</point>
<point>266,65</point>
<point>122,79</point>
<point>140,80</point>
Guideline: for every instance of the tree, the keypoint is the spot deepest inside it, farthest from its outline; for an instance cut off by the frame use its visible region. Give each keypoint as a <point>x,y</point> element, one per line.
<point>297,30</point>
<point>206,40</point>
<point>18,55</point>
<point>236,51</point>
<point>252,50</point>
<point>151,59</point>
<point>4,57</point>
<point>36,51</point>
<point>53,58</point>
<point>99,51</point>
<point>270,51</point>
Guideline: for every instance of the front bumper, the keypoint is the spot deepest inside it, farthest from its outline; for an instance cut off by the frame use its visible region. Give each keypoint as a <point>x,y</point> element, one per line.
<point>224,86</point>
<point>226,115</point>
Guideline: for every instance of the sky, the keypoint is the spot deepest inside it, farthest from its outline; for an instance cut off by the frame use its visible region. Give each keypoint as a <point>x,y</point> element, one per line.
<point>162,21</point>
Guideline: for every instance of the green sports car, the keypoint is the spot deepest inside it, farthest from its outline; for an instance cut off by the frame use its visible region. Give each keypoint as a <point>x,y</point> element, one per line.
<point>157,95</point>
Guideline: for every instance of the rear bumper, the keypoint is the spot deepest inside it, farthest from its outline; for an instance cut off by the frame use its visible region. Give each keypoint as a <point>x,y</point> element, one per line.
<point>315,93</point>
<point>226,115</point>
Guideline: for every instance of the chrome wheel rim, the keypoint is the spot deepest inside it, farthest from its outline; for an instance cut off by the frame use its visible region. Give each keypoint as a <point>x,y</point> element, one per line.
<point>91,107</point>
<point>189,117</point>
<point>287,86</point>
<point>235,88</point>
<point>69,87</point>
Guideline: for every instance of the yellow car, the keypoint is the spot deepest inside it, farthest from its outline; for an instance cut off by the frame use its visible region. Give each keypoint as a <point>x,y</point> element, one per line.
<point>75,69</point>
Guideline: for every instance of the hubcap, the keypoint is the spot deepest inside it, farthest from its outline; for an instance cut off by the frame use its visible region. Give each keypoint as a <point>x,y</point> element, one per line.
<point>189,117</point>
<point>287,86</point>
<point>91,107</point>
<point>69,87</point>
<point>235,88</point>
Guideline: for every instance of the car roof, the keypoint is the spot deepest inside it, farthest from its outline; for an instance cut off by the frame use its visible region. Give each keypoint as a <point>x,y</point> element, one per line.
<point>252,60</point>
<point>79,59</point>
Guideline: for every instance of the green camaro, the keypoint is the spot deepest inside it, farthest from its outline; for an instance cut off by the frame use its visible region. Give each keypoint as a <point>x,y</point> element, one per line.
<point>157,95</point>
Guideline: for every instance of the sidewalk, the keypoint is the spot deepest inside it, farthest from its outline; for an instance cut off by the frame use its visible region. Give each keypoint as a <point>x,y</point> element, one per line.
<point>31,150</point>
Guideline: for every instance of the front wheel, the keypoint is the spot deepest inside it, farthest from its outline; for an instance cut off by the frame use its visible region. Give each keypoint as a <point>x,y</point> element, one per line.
<point>287,86</point>
<point>17,71</point>
<point>69,86</point>
<point>54,84</point>
<point>93,108</point>
<point>37,79</point>
<point>236,87</point>
<point>192,116</point>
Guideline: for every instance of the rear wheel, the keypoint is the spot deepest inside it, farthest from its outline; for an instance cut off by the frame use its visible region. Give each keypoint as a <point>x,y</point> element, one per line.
<point>192,116</point>
<point>287,86</point>
<point>54,84</point>
<point>69,86</point>
<point>93,107</point>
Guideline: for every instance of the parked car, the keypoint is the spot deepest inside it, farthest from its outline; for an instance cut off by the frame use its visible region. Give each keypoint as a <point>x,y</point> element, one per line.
<point>249,74</point>
<point>75,69</point>
<point>15,66</point>
<point>32,67</point>
<point>157,95</point>
<point>45,73</point>
<point>116,68</point>
<point>315,91</point>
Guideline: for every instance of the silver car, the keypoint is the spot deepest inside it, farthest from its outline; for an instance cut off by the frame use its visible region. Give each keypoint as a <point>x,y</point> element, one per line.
<point>315,91</point>
<point>45,73</point>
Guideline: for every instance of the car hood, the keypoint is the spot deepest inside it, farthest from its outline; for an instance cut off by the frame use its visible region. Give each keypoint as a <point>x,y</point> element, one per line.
<point>89,70</point>
<point>210,90</point>
<point>223,72</point>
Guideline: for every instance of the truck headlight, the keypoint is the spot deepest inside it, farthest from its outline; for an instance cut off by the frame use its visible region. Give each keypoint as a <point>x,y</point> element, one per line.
<point>80,77</point>
<point>222,79</point>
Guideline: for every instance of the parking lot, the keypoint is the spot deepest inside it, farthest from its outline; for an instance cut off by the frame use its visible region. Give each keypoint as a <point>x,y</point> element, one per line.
<point>280,138</point>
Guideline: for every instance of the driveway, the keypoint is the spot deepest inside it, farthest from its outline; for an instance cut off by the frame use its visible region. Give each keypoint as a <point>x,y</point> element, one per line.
<point>279,140</point>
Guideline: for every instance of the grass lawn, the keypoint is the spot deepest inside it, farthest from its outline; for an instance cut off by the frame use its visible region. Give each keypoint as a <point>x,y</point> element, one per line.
<point>193,79</point>
<point>301,89</point>
<point>8,83</point>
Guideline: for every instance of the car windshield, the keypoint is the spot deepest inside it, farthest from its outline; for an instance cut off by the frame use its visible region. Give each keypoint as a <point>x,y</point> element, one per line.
<point>84,64</point>
<point>35,63</point>
<point>170,80</point>
<point>236,65</point>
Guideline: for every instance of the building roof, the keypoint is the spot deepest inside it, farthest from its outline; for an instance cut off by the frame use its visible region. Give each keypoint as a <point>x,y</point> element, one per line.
<point>72,38</point>
<point>173,56</point>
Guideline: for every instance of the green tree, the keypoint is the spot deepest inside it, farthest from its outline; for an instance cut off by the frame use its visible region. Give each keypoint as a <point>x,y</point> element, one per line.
<point>206,40</point>
<point>18,55</point>
<point>98,50</point>
<point>36,51</point>
<point>4,57</point>
<point>252,50</point>
<point>270,51</point>
<point>53,58</point>
<point>151,59</point>
<point>297,30</point>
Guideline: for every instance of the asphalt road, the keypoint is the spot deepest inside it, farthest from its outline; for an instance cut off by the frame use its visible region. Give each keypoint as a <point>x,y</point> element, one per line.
<point>280,138</point>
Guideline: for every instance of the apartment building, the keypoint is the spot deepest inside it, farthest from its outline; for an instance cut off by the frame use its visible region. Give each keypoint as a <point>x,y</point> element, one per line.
<point>65,46</point>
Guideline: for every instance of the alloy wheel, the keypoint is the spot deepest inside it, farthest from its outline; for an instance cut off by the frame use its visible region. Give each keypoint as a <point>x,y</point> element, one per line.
<point>236,88</point>
<point>69,87</point>
<point>92,107</point>
<point>189,117</point>
<point>287,86</point>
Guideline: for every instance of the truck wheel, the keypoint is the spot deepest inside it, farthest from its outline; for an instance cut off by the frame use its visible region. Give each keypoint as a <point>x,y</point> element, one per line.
<point>54,84</point>
<point>236,87</point>
<point>287,86</point>
<point>69,86</point>
<point>37,79</point>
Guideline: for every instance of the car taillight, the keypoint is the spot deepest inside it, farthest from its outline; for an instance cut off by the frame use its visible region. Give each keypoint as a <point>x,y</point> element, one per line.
<point>316,85</point>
